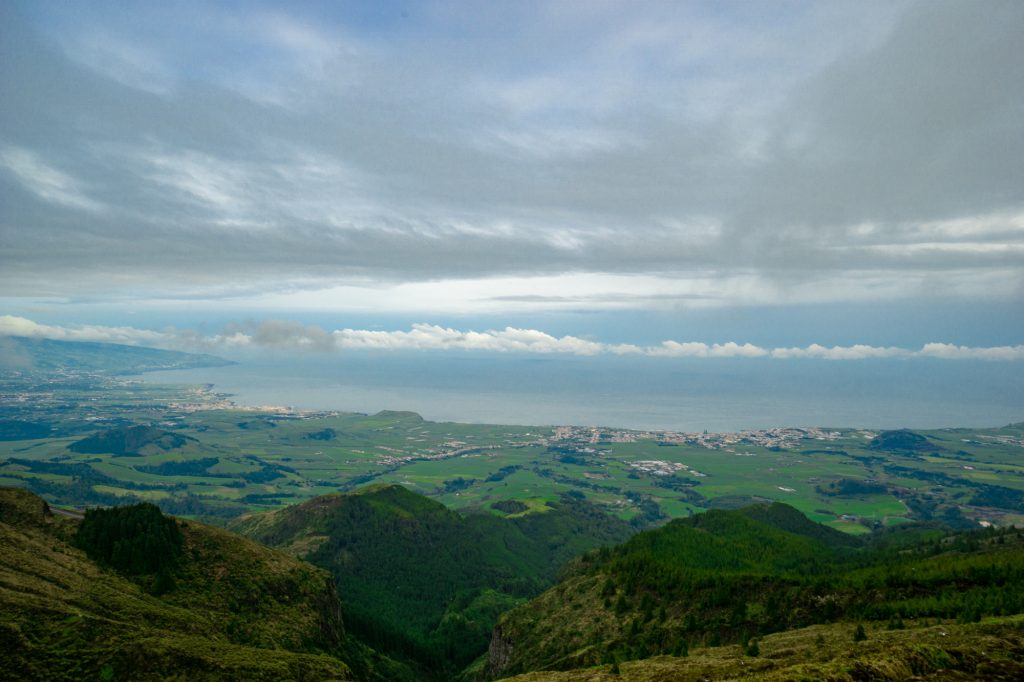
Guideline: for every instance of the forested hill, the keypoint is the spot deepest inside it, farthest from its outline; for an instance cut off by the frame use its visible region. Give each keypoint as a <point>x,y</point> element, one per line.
<point>423,582</point>
<point>131,594</point>
<point>725,577</point>
<point>48,355</point>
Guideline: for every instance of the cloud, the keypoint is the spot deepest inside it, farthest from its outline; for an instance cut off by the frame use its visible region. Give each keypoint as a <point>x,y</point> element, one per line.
<point>293,336</point>
<point>692,349</point>
<point>550,144</point>
<point>131,63</point>
<point>12,325</point>
<point>433,337</point>
<point>832,152</point>
<point>45,181</point>
<point>855,352</point>
<point>275,334</point>
<point>948,351</point>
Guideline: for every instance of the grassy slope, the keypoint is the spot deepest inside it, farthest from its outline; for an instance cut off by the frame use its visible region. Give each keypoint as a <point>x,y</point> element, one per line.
<point>721,575</point>
<point>238,610</point>
<point>991,650</point>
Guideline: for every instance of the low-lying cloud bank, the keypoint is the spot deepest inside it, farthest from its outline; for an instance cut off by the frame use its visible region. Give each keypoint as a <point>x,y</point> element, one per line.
<point>289,335</point>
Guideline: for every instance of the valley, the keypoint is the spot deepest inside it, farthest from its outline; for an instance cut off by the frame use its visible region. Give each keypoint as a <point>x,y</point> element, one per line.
<point>440,551</point>
<point>552,341</point>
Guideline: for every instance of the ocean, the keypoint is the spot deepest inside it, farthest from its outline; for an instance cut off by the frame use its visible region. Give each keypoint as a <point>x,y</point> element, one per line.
<point>630,392</point>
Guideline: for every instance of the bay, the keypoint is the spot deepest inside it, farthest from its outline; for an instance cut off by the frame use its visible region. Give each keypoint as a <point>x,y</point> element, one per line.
<point>640,393</point>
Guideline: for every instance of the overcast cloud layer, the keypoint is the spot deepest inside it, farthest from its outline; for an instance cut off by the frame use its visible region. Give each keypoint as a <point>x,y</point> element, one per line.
<point>579,154</point>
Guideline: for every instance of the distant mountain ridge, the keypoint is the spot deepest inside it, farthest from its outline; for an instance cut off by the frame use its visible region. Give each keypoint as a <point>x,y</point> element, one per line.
<point>89,356</point>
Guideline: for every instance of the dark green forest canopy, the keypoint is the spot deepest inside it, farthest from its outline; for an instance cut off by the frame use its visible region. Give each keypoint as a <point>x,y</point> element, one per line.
<point>133,539</point>
<point>129,440</point>
<point>725,576</point>
<point>421,581</point>
<point>902,439</point>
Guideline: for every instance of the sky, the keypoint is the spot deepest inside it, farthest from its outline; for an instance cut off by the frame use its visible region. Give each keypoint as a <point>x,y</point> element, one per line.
<point>753,179</point>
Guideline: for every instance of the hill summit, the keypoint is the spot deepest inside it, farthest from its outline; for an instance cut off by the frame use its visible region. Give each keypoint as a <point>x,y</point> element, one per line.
<point>226,608</point>
<point>725,577</point>
<point>130,440</point>
<point>423,582</point>
<point>902,440</point>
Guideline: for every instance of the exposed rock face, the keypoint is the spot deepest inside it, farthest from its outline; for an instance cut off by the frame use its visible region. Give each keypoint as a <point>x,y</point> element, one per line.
<point>499,653</point>
<point>332,629</point>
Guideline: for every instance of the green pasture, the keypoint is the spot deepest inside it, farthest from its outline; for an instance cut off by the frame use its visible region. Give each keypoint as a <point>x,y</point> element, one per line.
<point>471,465</point>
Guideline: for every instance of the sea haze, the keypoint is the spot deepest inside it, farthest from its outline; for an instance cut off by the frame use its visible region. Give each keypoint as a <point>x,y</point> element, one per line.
<point>630,392</point>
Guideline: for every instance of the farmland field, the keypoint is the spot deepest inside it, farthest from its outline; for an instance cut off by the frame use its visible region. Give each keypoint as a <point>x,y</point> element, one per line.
<point>210,458</point>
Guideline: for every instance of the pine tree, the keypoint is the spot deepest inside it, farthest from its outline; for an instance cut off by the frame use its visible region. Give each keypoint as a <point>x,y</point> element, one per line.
<point>136,539</point>
<point>163,583</point>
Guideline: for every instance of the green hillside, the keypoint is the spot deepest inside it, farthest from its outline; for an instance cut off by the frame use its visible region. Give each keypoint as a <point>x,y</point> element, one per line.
<point>786,518</point>
<point>228,609</point>
<point>992,650</point>
<point>130,440</point>
<point>725,577</point>
<point>424,582</point>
